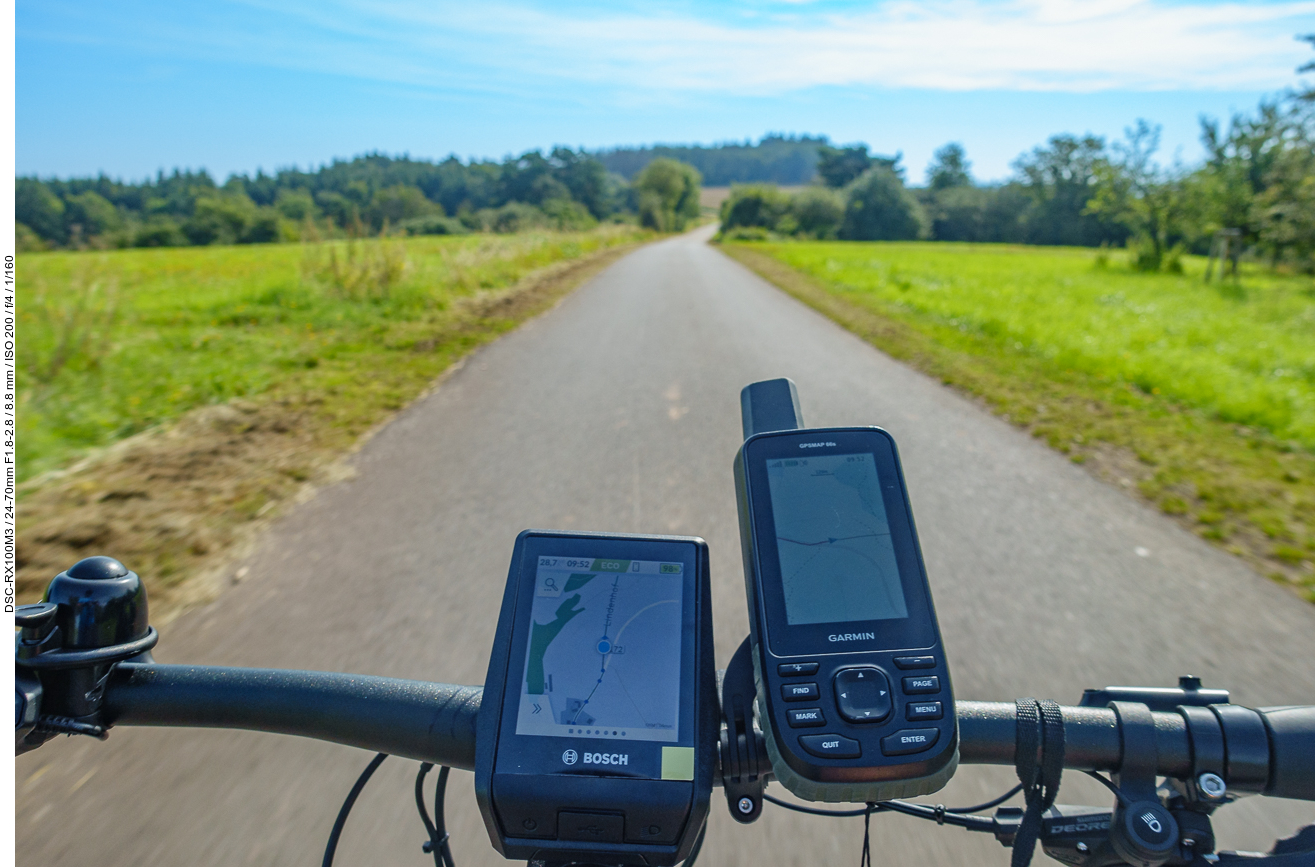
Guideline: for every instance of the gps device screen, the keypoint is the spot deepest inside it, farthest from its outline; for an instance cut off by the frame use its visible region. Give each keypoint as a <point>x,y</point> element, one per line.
<point>603,658</point>
<point>834,540</point>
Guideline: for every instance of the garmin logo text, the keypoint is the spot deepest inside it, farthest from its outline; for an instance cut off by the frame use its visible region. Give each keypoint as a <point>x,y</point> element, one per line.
<point>814,445</point>
<point>606,759</point>
<point>852,636</point>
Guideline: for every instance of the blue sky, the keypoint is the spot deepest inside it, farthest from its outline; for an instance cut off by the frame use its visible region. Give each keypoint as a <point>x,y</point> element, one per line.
<point>234,85</point>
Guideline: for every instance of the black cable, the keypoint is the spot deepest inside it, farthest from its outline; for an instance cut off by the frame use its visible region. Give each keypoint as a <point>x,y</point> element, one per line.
<point>1122,798</point>
<point>698,846</point>
<point>941,815</point>
<point>865,859</point>
<point>813,811</point>
<point>436,828</point>
<point>430,830</point>
<point>440,821</point>
<point>347,805</point>
<point>994,802</point>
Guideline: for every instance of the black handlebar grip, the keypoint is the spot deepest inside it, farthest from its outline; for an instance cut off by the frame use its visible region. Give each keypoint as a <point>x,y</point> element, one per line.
<point>431,722</point>
<point>1291,733</point>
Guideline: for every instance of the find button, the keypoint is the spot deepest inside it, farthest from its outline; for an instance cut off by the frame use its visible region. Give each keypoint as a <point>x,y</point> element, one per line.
<point>907,741</point>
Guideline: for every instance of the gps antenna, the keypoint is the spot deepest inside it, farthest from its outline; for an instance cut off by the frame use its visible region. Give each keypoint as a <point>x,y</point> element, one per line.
<point>772,404</point>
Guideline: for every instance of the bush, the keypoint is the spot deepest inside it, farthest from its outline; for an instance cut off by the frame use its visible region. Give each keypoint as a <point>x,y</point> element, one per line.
<point>91,213</point>
<point>667,193</point>
<point>159,232</point>
<point>567,215</point>
<point>750,205</point>
<point>879,208</point>
<point>356,270</point>
<point>398,203</point>
<point>222,219</point>
<point>817,212</point>
<point>1143,255</point>
<point>514,217</point>
<point>26,240</point>
<point>433,226</point>
<point>747,233</point>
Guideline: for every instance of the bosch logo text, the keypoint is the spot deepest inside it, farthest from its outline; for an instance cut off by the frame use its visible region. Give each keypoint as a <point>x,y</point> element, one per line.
<point>606,759</point>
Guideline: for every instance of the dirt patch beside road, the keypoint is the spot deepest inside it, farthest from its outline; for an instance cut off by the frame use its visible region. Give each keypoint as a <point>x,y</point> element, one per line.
<point>179,504</point>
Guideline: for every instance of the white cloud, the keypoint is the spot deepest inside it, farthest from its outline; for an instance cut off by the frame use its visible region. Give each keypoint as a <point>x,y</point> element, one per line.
<point>1064,45</point>
<point>953,45</point>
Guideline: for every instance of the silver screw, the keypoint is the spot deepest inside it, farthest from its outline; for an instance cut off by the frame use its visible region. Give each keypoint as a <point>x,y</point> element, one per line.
<point>1189,842</point>
<point>745,805</point>
<point>1212,786</point>
<point>1081,847</point>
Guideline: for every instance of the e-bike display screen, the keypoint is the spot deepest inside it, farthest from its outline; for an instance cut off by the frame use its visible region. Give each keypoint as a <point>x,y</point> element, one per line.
<point>603,659</point>
<point>833,540</point>
<point>597,728</point>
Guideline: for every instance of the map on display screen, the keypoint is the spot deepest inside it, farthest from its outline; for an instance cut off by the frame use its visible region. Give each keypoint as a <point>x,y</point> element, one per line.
<point>604,650</point>
<point>833,540</point>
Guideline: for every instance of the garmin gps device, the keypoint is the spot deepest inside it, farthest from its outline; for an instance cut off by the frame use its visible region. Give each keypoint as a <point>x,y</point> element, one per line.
<point>596,737</point>
<point>854,693</point>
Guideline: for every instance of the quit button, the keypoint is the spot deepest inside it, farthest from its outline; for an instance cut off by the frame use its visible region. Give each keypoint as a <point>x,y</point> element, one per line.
<point>831,746</point>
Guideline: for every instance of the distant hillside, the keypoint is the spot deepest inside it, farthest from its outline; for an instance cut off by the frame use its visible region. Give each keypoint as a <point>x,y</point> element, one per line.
<point>785,160</point>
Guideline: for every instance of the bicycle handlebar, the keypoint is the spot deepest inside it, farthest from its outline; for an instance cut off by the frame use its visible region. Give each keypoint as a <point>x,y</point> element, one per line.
<point>1269,751</point>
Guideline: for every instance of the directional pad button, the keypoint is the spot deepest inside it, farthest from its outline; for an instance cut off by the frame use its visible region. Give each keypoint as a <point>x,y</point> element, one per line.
<point>862,694</point>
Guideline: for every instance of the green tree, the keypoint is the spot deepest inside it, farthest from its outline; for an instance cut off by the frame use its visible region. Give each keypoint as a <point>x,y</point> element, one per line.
<point>838,167</point>
<point>220,219</point>
<point>344,212</point>
<point>296,205</point>
<point>754,205</point>
<point>879,208</point>
<point>1240,165</point>
<point>159,231</point>
<point>1136,192</point>
<point>667,194</point>
<point>36,207</point>
<point>1061,179</point>
<point>392,205</point>
<point>1284,213</point>
<point>949,168</point>
<point>585,179</point>
<point>818,212</point>
<point>91,213</point>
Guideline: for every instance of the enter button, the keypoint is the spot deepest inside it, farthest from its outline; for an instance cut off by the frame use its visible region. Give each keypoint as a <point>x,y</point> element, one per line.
<point>909,741</point>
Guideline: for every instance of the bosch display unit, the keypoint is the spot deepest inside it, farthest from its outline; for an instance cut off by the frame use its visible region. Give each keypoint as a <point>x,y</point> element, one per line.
<point>597,730</point>
<point>853,688</point>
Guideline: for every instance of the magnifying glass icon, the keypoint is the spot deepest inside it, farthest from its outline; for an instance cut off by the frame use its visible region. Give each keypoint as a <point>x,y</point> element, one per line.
<point>549,583</point>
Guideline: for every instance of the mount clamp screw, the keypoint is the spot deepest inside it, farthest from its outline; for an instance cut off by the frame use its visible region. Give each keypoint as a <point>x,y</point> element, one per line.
<point>1212,786</point>
<point>745,805</point>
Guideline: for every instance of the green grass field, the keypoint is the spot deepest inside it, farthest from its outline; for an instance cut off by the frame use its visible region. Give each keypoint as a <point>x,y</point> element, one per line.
<point>113,343</point>
<point>1209,388</point>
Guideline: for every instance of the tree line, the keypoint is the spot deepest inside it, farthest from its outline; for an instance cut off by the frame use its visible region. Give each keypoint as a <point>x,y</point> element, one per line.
<point>1257,179</point>
<point>564,189</point>
<point>776,158</point>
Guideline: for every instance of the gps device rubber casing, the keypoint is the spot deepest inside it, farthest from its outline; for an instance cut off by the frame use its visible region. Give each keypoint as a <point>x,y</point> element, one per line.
<point>816,679</point>
<point>618,808</point>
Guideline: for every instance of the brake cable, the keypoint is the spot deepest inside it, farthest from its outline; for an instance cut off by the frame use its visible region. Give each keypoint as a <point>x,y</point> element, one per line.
<point>436,828</point>
<point>331,849</point>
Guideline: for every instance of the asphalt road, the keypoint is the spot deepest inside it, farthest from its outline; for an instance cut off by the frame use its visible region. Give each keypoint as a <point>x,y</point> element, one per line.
<point>619,411</point>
